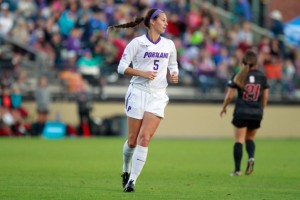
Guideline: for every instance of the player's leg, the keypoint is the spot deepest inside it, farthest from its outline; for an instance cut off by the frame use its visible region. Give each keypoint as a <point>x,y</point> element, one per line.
<point>250,147</point>
<point>129,147</point>
<point>239,134</point>
<point>148,128</point>
<point>250,144</point>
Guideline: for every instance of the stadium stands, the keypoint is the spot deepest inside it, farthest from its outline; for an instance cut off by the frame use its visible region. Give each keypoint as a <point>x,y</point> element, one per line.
<point>67,41</point>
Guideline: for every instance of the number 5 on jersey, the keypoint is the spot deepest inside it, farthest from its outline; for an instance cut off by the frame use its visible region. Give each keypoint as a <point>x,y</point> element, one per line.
<point>156,65</point>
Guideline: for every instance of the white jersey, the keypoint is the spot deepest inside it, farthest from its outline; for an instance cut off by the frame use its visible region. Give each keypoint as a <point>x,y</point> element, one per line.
<point>146,55</point>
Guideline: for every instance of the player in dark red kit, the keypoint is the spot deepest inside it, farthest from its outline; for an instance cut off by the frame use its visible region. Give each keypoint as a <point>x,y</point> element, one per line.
<point>253,92</point>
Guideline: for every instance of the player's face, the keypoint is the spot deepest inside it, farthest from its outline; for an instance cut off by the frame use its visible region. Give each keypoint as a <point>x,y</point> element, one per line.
<point>160,24</point>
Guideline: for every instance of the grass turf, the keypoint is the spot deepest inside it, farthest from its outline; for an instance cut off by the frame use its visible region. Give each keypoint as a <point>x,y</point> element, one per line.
<point>74,168</point>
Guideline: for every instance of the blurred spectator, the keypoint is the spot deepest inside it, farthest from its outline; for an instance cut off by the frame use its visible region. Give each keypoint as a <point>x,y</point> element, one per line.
<point>98,22</point>
<point>19,113</point>
<point>206,70</point>
<point>231,37</point>
<point>222,75</point>
<point>273,71</point>
<point>275,48</point>
<point>43,101</point>
<point>68,19</point>
<point>7,119</point>
<point>176,27</point>
<point>5,99</point>
<point>6,19</point>
<point>84,108</point>
<point>109,10</point>
<point>213,46</point>
<point>243,10</point>
<point>194,19</point>
<point>26,8</point>
<point>22,83</point>
<point>288,73</point>
<point>69,75</point>
<point>17,101</point>
<point>89,67</point>
<point>20,31</point>
<point>277,27</point>
<point>44,47</point>
<point>245,37</point>
<point>57,46</point>
<point>264,50</point>
<point>120,45</point>
<point>234,64</point>
<point>84,25</point>
<point>73,42</point>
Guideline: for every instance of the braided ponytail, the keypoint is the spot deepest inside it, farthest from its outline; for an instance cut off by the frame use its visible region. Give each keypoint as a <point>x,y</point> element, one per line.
<point>249,61</point>
<point>131,24</point>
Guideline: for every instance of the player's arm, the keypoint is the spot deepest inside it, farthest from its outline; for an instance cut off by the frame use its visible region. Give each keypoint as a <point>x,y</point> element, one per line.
<point>227,100</point>
<point>145,74</point>
<point>127,57</point>
<point>173,65</point>
<point>265,98</point>
<point>265,95</point>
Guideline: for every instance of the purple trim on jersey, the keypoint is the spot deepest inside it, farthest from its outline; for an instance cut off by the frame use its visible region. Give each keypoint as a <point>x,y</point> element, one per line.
<point>126,103</point>
<point>157,12</point>
<point>151,40</point>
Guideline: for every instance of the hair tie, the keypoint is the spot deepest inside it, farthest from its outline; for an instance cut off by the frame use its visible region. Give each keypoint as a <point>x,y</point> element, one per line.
<point>157,12</point>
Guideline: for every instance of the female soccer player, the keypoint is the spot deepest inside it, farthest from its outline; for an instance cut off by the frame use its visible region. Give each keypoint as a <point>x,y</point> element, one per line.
<point>153,59</point>
<point>253,92</point>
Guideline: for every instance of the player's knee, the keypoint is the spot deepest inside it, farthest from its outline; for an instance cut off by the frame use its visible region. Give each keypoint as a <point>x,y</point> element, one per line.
<point>131,144</point>
<point>144,141</point>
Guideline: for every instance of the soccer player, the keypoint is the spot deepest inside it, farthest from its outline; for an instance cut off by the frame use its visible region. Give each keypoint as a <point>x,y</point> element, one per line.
<point>153,59</point>
<point>253,91</point>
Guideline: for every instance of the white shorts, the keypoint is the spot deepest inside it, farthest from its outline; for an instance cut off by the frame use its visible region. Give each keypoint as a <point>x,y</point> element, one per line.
<point>139,99</point>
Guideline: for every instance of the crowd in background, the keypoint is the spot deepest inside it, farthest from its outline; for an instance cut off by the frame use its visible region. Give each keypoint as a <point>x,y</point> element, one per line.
<point>71,34</point>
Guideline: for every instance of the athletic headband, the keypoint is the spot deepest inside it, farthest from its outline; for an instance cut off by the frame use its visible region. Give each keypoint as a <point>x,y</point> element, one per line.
<point>157,12</point>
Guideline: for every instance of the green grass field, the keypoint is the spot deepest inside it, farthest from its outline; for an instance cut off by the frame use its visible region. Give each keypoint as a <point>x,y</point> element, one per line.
<point>73,168</point>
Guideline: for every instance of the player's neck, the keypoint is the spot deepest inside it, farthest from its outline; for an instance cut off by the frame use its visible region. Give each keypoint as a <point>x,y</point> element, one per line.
<point>153,36</point>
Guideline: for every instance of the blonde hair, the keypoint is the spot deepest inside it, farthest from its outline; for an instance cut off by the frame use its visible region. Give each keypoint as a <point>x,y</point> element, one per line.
<point>249,61</point>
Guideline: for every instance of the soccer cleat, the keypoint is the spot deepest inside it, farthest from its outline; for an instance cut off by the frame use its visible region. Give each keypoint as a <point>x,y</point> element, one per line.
<point>236,173</point>
<point>125,178</point>
<point>129,187</point>
<point>250,166</point>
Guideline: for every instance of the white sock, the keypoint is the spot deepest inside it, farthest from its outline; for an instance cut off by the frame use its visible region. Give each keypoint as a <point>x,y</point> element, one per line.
<point>138,161</point>
<point>127,155</point>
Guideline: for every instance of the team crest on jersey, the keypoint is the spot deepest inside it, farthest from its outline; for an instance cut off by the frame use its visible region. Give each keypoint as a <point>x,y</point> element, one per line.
<point>251,79</point>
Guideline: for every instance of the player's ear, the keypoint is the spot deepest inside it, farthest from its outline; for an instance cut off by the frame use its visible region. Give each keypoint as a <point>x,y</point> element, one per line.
<point>151,21</point>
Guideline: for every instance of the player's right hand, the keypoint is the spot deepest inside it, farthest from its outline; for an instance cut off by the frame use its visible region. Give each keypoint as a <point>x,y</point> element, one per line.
<point>223,112</point>
<point>150,75</point>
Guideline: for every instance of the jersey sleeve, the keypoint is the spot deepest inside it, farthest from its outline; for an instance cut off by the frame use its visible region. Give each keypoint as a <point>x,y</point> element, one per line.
<point>173,65</point>
<point>128,54</point>
<point>266,84</point>
<point>231,83</point>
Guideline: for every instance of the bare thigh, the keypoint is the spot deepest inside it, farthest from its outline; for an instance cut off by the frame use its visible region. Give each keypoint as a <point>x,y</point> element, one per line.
<point>251,134</point>
<point>148,128</point>
<point>134,126</point>
<point>240,134</point>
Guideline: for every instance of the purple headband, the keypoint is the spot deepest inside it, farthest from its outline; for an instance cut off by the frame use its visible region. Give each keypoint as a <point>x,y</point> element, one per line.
<point>157,12</point>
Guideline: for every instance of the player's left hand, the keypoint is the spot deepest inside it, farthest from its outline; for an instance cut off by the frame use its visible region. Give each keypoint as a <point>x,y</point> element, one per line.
<point>174,77</point>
